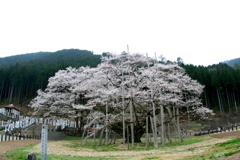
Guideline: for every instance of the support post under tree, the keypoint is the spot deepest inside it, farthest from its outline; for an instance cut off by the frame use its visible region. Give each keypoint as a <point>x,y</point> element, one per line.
<point>106,123</point>
<point>147,137</point>
<point>132,126</point>
<point>123,112</point>
<point>162,125</point>
<point>152,125</point>
<point>178,126</point>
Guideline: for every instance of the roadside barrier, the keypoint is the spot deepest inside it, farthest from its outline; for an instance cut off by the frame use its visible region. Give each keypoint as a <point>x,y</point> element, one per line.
<point>14,137</point>
<point>201,133</point>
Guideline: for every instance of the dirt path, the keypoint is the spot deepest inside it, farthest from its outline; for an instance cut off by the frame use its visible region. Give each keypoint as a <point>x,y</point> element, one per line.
<point>6,146</point>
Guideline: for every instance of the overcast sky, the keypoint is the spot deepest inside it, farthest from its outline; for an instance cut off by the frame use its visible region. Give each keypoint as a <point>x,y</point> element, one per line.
<point>201,32</point>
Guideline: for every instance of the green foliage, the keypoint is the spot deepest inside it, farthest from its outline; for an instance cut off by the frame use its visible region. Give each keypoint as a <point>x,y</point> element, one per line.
<point>21,154</point>
<point>219,77</point>
<point>7,61</point>
<point>230,143</point>
<point>189,140</point>
<point>72,138</point>
<point>231,153</point>
<point>22,75</point>
<point>220,150</point>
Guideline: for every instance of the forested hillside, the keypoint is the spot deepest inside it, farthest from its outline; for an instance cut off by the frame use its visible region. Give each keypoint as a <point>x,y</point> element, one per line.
<point>7,61</point>
<point>21,76</point>
<point>222,86</point>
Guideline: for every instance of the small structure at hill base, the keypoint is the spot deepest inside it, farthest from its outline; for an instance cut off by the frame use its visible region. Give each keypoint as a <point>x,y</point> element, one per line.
<point>10,111</point>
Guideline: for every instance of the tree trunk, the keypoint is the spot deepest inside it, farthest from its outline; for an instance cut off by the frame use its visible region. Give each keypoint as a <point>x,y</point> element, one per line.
<point>19,94</point>
<point>1,91</point>
<point>220,105</point>
<point>85,130</point>
<point>79,127</point>
<point>100,138</point>
<point>162,126</point>
<point>110,136</point>
<point>168,134</point>
<point>106,123</point>
<point>234,99</point>
<point>108,133</point>
<point>154,129</point>
<point>228,100</point>
<point>94,133</point>
<point>178,126</point>
<point>206,100</point>
<point>83,135</point>
<point>132,127</point>
<point>128,136</point>
<point>11,95</point>
<point>147,137</point>
<point>173,120</point>
<point>137,134</point>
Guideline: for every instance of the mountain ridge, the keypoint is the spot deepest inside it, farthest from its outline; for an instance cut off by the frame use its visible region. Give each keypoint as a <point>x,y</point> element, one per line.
<point>232,62</point>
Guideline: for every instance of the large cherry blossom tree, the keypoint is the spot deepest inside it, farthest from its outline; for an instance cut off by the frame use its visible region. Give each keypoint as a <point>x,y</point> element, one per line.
<point>126,94</point>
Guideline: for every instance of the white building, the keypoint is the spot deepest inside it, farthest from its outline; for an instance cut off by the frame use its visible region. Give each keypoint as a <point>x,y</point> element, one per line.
<point>10,111</point>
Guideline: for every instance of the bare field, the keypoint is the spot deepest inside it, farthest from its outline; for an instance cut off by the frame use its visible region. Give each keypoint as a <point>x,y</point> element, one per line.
<point>6,146</point>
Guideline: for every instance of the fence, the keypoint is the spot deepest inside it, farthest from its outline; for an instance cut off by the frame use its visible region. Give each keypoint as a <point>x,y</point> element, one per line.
<point>14,137</point>
<point>25,122</point>
<point>215,131</point>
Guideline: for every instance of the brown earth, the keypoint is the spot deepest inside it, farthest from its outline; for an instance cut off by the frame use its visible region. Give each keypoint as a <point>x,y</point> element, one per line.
<point>228,134</point>
<point>11,145</point>
<point>6,146</point>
